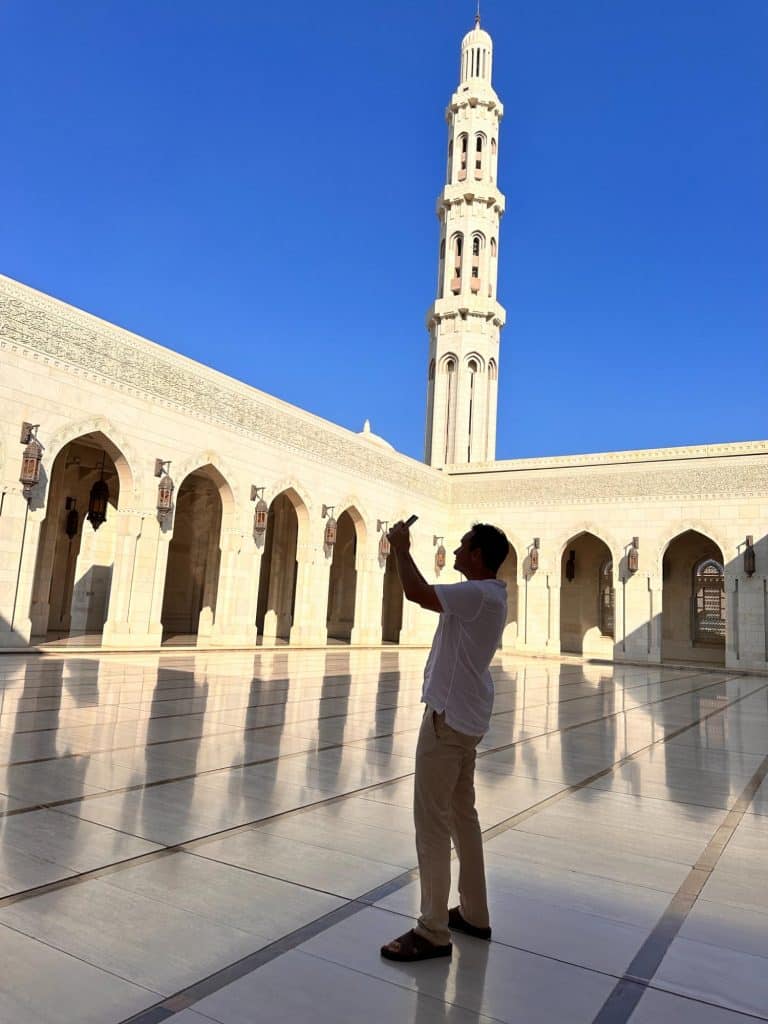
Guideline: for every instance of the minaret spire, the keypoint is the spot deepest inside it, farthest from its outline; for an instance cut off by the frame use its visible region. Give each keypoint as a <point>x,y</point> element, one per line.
<point>465,320</point>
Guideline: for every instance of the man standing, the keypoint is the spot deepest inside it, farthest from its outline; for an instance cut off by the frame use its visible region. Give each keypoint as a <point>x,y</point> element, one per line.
<point>458,693</point>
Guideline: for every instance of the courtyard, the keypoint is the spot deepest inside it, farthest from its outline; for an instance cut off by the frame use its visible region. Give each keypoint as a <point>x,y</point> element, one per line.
<point>227,837</point>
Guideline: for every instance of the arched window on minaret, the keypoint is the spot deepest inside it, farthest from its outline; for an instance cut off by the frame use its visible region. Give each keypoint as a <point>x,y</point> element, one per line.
<point>463,148</point>
<point>479,142</point>
<point>458,252</point>
<point>431,369</point>
<point>441,271</point>
<point>477,247</point>
<point>473,366</point>
<point>493,159</point>
<point>449,176</point>
<point>492,270</point>
<point>449,367</point>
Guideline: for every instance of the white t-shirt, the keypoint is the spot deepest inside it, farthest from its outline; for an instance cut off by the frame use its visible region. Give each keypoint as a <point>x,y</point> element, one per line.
<point>456,676</point>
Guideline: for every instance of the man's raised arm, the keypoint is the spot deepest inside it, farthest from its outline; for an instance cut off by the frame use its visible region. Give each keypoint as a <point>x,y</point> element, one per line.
<point>415,587</point>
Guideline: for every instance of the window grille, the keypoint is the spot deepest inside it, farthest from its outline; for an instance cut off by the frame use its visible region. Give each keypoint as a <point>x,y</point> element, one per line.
<point>708,603</point>
<point>607,599</point>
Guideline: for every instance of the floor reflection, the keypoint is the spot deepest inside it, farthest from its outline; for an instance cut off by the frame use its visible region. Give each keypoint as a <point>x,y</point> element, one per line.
<point>601,786</point>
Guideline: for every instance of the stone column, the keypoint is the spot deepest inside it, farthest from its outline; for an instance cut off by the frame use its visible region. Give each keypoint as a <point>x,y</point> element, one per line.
<point>539,613</point>
<point>19,539</point>
<point>368,601</point>
<point>633,623</point>
<point>210,585</point>
<point>128,529</point>
<point>653,617</point>
<point>311,609</point>
<point>235,621</point>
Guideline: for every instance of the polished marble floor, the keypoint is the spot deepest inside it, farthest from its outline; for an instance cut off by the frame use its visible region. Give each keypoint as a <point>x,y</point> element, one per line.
<point>227,837</point>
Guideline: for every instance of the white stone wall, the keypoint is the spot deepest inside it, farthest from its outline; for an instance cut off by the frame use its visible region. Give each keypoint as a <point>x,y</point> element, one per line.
<point>719,491</point>
<point>87,381</point>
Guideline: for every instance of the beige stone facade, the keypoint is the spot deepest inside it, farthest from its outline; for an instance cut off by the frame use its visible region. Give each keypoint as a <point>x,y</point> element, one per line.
<point>637,556</point>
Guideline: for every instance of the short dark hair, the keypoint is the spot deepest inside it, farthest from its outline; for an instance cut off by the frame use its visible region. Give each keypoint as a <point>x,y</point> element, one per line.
<point>492,543</point>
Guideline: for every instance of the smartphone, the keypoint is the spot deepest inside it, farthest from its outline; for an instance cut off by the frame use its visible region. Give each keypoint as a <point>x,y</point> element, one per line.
<point>410,521</point>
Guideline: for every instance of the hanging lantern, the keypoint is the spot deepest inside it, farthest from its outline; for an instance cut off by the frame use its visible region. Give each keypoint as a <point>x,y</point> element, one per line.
<point>72,520</point>
<point>749,556</point>
<point>533,557</point>
<point>633,555</point>
<point>98,500</point>
<point>384,546</point>
<point>260,512</point>
<point>439,556</point>
<point>329,537</point>
<point>570,567</point>
<point>97,504</point>
<point>31,459</point>
<point>164,489</point>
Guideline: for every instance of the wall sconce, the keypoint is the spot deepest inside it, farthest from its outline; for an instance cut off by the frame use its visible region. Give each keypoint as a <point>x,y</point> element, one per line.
<point>749,555</point>
<point>98,500</point>
<point>533,555</point>
<point>384,546</point>
<point>31,458</point>
<point>164,489</point>
<point>72,521</point>
<point>330,530</point>
<point>439,554</point>
<point>633,555</point>
<point>260,513</point>
<point>570,567</point>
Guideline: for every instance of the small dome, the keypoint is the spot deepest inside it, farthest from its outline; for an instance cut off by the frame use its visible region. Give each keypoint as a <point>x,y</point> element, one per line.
<point>477,37</point>
<point>476,54</point>
<point>368,434</point>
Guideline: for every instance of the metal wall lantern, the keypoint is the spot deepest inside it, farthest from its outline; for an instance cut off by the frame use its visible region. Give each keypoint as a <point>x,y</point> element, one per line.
<point>329,538</point>
<point>570,567</point>
<point>633,555</point>
<point>98,500</point>
<point>533,557</point>
<point>384,546</point>
<point>439,554</point>
<point>72,520</point>
<point>31,458</point>
<point>260,513</point>
<point>164,489</point>
<point>749,555</point>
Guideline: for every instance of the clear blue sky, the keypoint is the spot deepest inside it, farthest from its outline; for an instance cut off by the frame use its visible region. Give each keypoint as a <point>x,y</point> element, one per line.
<point>253,185</point>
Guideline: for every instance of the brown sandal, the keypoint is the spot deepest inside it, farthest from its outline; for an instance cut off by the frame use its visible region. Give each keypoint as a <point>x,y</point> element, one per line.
<point>457,923</point>
<point>412,946</point>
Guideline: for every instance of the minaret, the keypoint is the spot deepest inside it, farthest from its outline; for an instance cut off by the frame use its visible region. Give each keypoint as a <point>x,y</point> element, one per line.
<point>465,320</point>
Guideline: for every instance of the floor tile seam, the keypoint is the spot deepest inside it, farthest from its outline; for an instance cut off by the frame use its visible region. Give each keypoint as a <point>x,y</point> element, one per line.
<point>658,857</point>
<point>187,845</point>
<point>479,1015</point>
<point>705,1002</point>
<point>359,744</point>
<point>669,925</point>
<point>80,959</point>
<point>239,731</point>
<point>324,922</point>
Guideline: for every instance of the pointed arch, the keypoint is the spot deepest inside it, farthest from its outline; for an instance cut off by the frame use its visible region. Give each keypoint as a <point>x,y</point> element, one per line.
<point>108,436</point>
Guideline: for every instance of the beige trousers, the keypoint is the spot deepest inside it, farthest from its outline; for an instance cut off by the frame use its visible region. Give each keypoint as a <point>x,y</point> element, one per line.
<point>444,809</point>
